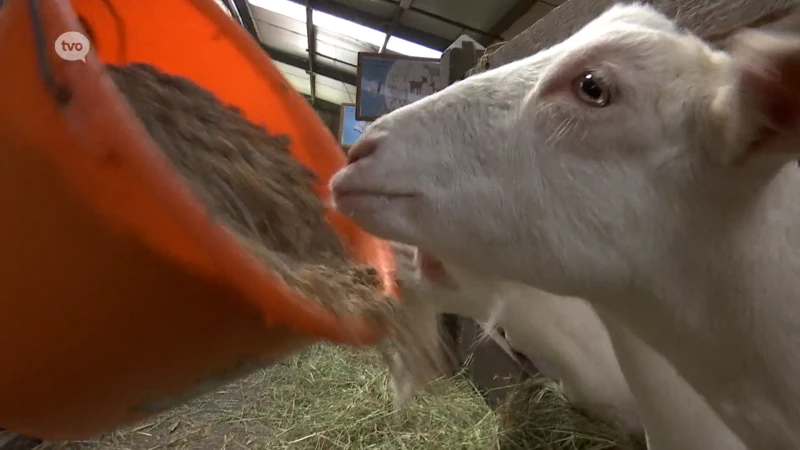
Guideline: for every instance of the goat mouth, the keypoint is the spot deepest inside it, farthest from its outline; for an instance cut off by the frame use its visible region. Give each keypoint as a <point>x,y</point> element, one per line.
<point>356,193</point>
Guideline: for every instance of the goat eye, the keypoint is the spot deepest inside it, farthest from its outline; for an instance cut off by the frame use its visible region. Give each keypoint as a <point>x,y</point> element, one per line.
<point>591,90</point>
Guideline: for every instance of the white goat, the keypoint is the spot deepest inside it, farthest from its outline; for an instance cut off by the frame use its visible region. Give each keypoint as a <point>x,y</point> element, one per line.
<point>631,165</point>
<point>568,338</point>
<point>674,415</point>
<point>562,336</point>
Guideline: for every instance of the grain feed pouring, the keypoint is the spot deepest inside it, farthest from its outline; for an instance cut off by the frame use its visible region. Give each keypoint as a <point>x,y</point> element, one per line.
<point>251,183</point>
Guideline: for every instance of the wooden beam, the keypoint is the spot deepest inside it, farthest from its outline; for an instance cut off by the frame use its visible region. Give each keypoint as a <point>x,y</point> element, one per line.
<point>240,11</point>
<point>302,63</point>
<point>398,13</point>
<point>509,18</point>
<point>492,371</point>
<point>312,51</point>
<point>378,23</point>
<point>245,16</point>
<point>458,61</point>
<point>442,19</point>
<point>14,441</point>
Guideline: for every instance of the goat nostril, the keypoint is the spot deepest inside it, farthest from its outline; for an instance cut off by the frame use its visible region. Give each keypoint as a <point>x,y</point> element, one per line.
<point>361,149</point>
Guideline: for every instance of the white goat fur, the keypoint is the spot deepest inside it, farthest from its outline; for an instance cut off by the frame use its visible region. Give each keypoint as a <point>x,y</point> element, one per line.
<point>568,341</point>
<point>674,208</point>
<point>561,336</point>
<point>674,415</point>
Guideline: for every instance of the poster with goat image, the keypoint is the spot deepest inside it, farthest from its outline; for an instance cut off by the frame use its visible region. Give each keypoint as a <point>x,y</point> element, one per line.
<point>388,82</point>
<point>350,129</point>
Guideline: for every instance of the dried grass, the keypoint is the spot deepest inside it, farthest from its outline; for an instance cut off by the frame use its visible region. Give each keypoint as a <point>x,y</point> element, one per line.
<point>330,398</point>
<point>325,398</point>
<point>537,416</point>
<point>483,62</point>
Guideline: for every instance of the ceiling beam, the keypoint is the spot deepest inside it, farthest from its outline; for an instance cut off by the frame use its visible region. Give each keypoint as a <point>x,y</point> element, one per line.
<point>442,19</point>
<point>509,18</point>
<point>241,10</point>
<point>378,23</point>
<point>312,51</point>
<point>302,63</point>
<point>398,13</point>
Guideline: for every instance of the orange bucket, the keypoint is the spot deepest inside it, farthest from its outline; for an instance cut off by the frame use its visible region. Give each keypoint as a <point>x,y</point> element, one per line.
<point>120,295</point>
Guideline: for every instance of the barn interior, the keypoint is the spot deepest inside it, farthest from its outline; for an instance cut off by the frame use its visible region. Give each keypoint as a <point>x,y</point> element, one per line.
<point>324,395</point>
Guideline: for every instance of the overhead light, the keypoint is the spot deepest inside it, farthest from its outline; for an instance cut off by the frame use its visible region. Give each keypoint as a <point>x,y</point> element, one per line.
<point>347,28</point>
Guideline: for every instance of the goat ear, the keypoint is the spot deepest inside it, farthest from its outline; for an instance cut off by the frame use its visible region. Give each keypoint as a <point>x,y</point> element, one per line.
<point>760,109</point>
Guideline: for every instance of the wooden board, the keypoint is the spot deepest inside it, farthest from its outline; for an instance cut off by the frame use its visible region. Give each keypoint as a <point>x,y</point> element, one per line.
<point>14,441</point>
<point>457,61</point>
<point>493,372</point>
<point>711,19</point>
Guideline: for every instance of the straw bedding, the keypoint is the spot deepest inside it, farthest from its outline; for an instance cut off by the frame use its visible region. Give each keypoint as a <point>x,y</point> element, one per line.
<point>329,398</point>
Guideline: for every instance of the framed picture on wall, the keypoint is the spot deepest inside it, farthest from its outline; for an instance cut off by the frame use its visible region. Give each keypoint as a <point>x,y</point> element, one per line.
<point>350,129</point>
<point>388,82</point>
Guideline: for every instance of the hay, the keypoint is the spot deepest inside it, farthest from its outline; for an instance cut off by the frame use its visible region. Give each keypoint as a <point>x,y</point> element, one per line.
<point>331,398</point>
<point>483,63</point>
<point>253,186</point>
<point>325,398</point>
<point>537,416</point>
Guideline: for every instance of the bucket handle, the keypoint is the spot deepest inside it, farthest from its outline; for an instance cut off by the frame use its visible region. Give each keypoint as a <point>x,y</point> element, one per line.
<point>61,94</point>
